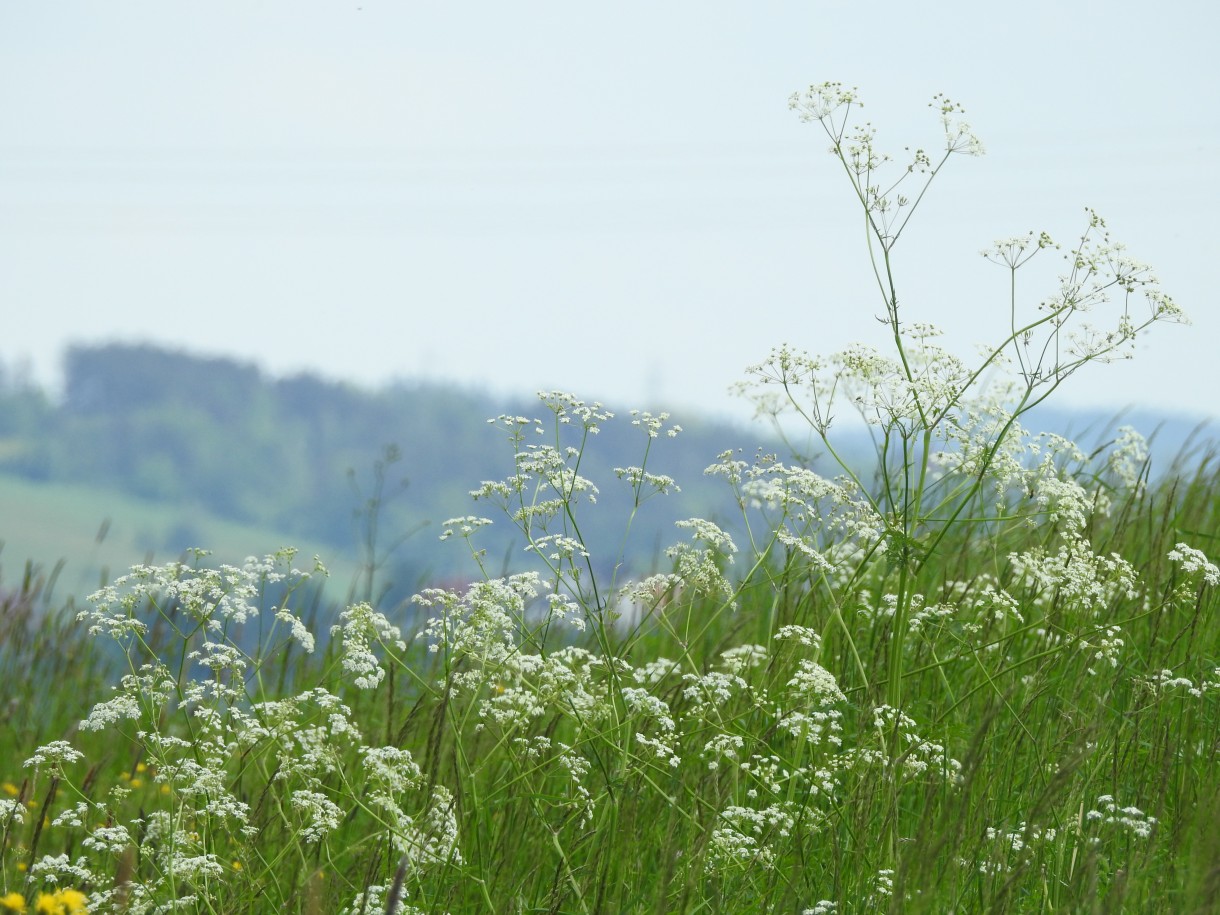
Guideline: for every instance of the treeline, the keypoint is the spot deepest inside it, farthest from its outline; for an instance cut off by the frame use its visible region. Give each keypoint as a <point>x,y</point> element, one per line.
<point>304,454</point>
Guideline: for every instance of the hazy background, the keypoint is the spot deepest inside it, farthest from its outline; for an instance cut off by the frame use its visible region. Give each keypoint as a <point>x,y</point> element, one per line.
<point>606,198</point>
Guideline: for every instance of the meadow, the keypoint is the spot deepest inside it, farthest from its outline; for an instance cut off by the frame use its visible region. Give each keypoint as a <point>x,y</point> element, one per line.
<point>981,676</point>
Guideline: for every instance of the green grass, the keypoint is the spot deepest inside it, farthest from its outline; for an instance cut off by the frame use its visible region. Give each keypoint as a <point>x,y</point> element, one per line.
<point>95,534</point>
<point>1039,727</point>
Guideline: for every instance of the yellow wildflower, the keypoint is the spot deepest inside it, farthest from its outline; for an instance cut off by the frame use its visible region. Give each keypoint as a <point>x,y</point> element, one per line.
<point>12,791</point>
<point>62,902</point>
<point>12,902</point>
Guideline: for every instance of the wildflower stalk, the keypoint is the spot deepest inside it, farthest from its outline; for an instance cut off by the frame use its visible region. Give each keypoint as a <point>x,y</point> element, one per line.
<point>923,398</point>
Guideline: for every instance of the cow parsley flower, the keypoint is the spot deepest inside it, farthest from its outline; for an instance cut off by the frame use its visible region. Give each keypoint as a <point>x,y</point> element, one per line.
<point>1192,561</point>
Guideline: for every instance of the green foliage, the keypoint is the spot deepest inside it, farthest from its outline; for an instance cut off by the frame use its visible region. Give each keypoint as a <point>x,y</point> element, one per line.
<point>556,776</point>
<point>297,455</point>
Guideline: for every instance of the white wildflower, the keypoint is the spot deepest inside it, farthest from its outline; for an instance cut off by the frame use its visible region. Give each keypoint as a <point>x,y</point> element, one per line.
<point>1192,561</point>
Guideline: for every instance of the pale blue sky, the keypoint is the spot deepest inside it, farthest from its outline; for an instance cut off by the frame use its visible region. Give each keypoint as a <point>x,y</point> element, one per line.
<point>611,199</point>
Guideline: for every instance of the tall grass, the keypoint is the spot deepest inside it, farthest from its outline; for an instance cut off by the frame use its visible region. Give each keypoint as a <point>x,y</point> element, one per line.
<point>519,752</point>
<point>984,678</point>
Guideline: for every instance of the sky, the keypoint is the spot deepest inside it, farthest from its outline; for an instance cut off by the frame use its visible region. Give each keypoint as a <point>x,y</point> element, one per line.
<point>608,199</point>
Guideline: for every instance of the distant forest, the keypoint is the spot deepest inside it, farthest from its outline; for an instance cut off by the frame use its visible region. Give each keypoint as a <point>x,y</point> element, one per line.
<point>308,457</point>
<point>303,454</point>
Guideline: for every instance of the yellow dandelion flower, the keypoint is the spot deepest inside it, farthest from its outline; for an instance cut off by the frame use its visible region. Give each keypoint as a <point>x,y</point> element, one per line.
<point>12,791</point>
<point>62,902</point>
<point>12,902</point>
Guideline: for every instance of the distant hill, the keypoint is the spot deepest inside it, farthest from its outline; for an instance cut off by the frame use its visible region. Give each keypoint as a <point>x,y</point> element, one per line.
<point>173,450</point>
<point>306,458</point>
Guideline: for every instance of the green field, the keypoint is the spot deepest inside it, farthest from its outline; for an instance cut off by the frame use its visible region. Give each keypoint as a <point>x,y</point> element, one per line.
<point>95,534</point>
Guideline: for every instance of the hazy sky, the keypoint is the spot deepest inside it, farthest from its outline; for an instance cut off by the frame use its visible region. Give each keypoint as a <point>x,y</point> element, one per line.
<point>606,198</point>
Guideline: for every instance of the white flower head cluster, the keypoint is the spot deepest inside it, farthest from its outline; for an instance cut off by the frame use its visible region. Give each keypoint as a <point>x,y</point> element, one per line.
<point>214,598</point>
<point>662,747</point>
<point>463,527</point>
<point>723,747</point>
<point>125,705</point>
<point>569,681</point>
<point>433,839</point>
<point>996,605</point>
<point>883,884</point>
<point>482,622</point>
<point>710,534</point>
<point>577,768</point>
<point>699,570</point>
<point>958,135</point>
<point>390,772</point>
<point>1195,561</point>
<point>1013,848</point>
<point>802,635</point>
<point>649,707</point>
<point>654,424</point>
<point>1167,682</point>
<point>567,407</point>
<point>321,816</point>
<point>311,733</point>
<point>655,671</point>
<point>55,869</point>
<point>558,548</point>
<point>1076,574</point>
<point>638,599</point>
<point>12,811</point>
<point>820,101</point>
<point>1129,819</point>
<point>564,608</point>
<point>76,815</point>
<point>814,685</point>
<point>641,479</point>
<point>54,754</point>
<point>814,727</point>
<point>742,838</point>
<point>1127,459</point>
<point>360,628</point>
<point>1059,342</point>
<point>827,522</point>
<point>712,689</point>
<point>743,658</point>
<point>917,757</point>
<point>923,617</point>
<point>374,899</point>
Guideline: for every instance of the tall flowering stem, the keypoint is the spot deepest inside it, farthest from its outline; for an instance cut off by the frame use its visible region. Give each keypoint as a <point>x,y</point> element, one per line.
<point>950,450</point>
